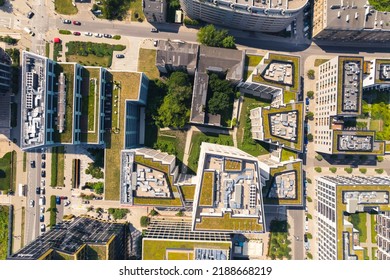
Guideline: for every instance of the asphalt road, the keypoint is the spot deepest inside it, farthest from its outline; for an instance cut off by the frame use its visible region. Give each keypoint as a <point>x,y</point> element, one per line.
<point>297,216</point>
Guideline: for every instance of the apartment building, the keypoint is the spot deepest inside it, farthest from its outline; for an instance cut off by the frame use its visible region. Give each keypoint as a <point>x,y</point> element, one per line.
<point>376,74</point>
<point>339,90</point>
<point>80,239</point>
<point>349,20</point>
<point>383,235</point>
<point>339,199</point>
<point>5,94</point>
<point>253,15</point>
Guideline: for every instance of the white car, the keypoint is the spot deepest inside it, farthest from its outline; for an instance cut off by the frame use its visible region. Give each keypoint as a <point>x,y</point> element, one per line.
<point>306,228</point>
<point>87,33</point>
<point>43,228</point>
<point>31,203</point>
<point>98,35</point>
<point>42,209</point>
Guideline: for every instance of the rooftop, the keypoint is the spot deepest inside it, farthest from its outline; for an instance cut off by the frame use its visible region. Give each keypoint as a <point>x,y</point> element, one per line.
<point>154,6</point>
<point>263,4</point>
<point>357,142</point>
<point>222,60</point>
<point>177,53</point>
<point>199,97</point>
<point>355,15</point>
<point>174,240</point>
<point>68,237</point>
<point>227,195</point>
<point>127,88</point>
<point>147,178</point>
<point>351,84</point>
<point>33,105</point>
<point>282,125</point>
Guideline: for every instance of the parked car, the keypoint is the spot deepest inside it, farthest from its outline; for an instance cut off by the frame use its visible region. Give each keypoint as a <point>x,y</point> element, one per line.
<point>42,210</point>
<point>107,36</point>
<point>42,200</point>
<point>76,22</point>
<point>98,35</point>
<point>43,164</point>
<point>88,34</point>
<point>43,183</point>
<point>155,30</point>
<point>38,190</point>
<point>306,228</point>
<point>76,33</point>
<point>30,14</point>
<point>43,228</point>
<point>41,218</point>
<point>32,164</point>
<point>43,156</point>
<point>307,100</point>
<point>66,21</point>
<point>58,200</point>
<point>43,191</point>
<point>155,43</point>
<point>31,203</point>
<point>43,173</point>
<point>120,56</point>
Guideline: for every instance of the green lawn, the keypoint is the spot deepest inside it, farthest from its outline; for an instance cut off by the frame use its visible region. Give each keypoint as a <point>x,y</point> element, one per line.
<point>207,189</point>
<point>47,50</point>
<point>244,135</point>
<point>57,167</point>
<point>387,147</point>
<point>380,5</point>
<point>6,172</point>
<point>4,210</point>
<point>373,231</point>
<point>359,222</point>
<point>278,241</point>
<point>196,141</point>
<point>228,223</point>
<point>319,61</point>
<point>147,63</point>
<point>90,60</point>
<point>188,192</point>
<point>376,125</point>
<point>288,96</point>
<point>97,252</point>
<point>171,141</point>
<point>250,61</point>
<point>286,154</point>
<point>65,7</point>
<point>136,8</point>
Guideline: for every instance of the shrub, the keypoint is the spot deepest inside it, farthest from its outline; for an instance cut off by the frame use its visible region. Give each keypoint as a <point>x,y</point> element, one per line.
<point>379,159</point>
<point>309,216</point>
<point>310,74</point>
<point>333,169</point>
<point>319,157</point>
<point>310,94</point>
<point>309,255</point>
<point>180,213</point>
<point>234,122</point>
<point>118,213</point>
<point>188,21</point>
<point>65,32</point>
<point>9,40</point>
<point>379,171</point>
<point>144,221</point>
<point>318,169</point>
<point>348,170</point>
<point>309,199</point>
<point>117,37</point>
<point>310,137</point>
<point>94,171</point>
<point>308,180</point>
<point>309,236</point>
<point>363,170</point>
<point>154,213</point>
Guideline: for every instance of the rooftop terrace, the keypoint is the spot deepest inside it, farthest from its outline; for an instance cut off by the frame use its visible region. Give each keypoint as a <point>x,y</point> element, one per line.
<point>357,142</point>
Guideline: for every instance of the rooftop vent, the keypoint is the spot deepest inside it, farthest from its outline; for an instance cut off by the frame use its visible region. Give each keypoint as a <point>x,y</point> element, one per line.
<point>347,18</point>
<point>356,15</point>
<point>338,14</point>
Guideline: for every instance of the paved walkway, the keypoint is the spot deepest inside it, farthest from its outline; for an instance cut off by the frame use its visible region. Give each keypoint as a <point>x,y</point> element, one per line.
<point>368,244</point>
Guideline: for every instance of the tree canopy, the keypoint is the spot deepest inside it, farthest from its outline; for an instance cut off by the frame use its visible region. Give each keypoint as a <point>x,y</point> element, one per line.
<point>212,37</point>
<point>175,108</point>
<point>221,95</point>
<point>115,9</point>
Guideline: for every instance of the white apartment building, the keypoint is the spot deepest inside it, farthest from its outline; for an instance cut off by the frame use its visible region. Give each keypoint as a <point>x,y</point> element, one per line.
<point>377,74</point>
<point>383,237</point>
<point>338,195</point>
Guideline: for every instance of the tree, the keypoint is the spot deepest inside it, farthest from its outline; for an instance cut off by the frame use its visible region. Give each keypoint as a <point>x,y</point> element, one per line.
<point>363,170</point>
<point>379,159</point>
<point>98,187</point>
<point>379,171</point>
<point>310,116</point>
<point>212,37</point>
<point>333,169</point>
<point>221,93</point>
<point>310,137</point>
<point>310,74</point>
<point>348,170</point>
<point>309,236</point>
<point>318,169</point>
<point>310,94</point>
<point>319,157</point>
<point>144,221</point>
<point>175,108</point>
<point>115,9</point>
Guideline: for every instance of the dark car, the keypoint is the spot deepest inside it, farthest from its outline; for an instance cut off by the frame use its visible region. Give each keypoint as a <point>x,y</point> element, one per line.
<point>30,14</point>
<point>76,33</point>
<point>32,164</point>
<point>307,101</point>
<point>63,197</point>
<point>67,21</point>
<point>43,173</point>
<point>107,36</point>
<point>305,237</point>
<point>43,156</point>
<point>38,190</point>
<point>120,56</point>
<point>43,164</point>
<point>42,218</point>
<point>58,200</point>
<point>76,22</point>
<point>155,30</point>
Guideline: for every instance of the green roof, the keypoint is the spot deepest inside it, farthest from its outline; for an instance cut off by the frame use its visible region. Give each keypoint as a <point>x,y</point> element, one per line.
<point>227,223</point>
<point>380,144</point>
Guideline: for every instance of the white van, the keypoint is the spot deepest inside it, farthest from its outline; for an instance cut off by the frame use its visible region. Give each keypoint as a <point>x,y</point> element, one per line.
<point>29,31</point>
